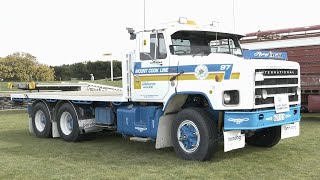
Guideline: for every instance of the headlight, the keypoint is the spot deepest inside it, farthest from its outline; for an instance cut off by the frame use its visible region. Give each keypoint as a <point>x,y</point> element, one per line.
<point>231,97</point>
<point>264,94</point>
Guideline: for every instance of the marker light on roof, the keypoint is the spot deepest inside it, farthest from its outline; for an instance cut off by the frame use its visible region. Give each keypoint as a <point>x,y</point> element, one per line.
<point>183,20</point>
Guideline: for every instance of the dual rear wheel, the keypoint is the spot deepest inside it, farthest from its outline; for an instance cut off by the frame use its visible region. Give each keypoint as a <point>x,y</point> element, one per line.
<point>41,121</point>
<point>67,121</point>
<point>66,118</point>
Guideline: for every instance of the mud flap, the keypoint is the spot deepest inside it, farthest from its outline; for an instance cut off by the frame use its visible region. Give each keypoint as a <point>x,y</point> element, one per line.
<point>55,132</point>
<point>30,125</point>
<point>164,131</point>
<point>290,130</point>
<point>233,140</point>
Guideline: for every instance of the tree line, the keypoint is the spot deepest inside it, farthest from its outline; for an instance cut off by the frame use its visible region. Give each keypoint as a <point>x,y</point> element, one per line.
<point>22,66</point>
<point>82,70</point>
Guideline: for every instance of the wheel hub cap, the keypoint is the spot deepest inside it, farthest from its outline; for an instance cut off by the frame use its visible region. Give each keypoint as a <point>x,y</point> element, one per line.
<point>40,120</point>
<point>188,136</point>
<point>66,123</point>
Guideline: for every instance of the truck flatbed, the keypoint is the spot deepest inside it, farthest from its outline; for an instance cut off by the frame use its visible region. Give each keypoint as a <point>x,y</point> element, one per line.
<point>108,96</point>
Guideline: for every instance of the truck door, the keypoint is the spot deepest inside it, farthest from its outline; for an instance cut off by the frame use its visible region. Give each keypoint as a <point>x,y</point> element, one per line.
<point>150,70</point>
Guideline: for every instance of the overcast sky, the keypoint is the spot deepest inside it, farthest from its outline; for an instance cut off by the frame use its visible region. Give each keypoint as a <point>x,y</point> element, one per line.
<point>68,31</point>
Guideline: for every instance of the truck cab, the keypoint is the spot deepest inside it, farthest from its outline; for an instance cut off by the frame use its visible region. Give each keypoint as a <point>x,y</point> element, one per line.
<point>185,66</point>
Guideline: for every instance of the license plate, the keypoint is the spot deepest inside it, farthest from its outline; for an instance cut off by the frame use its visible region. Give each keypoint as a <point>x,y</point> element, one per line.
<point>278,117</point>
<point>281,103</point>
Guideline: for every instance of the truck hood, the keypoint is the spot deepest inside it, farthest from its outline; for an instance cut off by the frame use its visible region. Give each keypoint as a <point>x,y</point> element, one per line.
<point>239,74</point>
<point>215,58</point>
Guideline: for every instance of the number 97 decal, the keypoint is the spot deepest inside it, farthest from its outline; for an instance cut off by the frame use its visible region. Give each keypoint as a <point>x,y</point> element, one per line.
<point>224,67</point>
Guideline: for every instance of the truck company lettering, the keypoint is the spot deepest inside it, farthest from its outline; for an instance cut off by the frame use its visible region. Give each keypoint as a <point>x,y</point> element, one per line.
<point>148,85</point>
<point>141,128</point>
<point>268,54</point>
<point>278,72</point>
<point>290,128</point>
<point>151,70</point>
<point>235,138</point>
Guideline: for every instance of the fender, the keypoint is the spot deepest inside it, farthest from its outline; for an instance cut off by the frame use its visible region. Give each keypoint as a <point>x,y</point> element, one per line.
<point>171,107</point>
<point>166,103</point>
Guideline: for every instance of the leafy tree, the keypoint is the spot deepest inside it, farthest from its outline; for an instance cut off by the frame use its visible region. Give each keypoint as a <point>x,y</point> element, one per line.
<point>44,73</point>
<point>22,66</point>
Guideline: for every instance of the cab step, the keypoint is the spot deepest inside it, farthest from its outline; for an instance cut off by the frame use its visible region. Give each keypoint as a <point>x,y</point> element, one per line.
<point>140,139</point>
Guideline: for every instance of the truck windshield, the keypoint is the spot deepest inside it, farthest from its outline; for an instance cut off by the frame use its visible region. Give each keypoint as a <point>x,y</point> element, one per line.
<point>204,43</point>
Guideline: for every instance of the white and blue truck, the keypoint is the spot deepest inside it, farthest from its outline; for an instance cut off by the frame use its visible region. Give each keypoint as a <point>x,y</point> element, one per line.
<point>186,86</point>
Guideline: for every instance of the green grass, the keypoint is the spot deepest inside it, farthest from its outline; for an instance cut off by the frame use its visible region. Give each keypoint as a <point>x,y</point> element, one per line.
<point>23,156</point>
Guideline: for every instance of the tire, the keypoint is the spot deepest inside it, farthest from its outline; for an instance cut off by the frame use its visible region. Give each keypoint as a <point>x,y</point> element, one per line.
<point>41,122</point>
<point>67,122</point>
<point>268,137</point>
<point>194,134</point>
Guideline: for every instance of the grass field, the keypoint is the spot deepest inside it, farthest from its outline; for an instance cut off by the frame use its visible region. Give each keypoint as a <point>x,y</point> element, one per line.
<point>23,156</point>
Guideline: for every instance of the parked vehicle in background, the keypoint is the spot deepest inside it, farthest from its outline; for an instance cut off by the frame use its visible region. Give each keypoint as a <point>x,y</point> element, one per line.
<point>303,46</point>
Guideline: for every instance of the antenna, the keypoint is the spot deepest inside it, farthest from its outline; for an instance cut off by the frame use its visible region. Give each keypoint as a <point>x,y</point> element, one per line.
<point>144,14</point>
<point>234,18</point>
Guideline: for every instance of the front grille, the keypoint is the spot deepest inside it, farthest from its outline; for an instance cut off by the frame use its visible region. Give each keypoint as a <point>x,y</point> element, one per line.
<point>270,100</point>
<point>276,81</point>
<point>279,90</point>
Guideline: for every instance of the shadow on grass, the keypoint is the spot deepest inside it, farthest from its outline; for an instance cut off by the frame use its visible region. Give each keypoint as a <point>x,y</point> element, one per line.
<point>105,148</point>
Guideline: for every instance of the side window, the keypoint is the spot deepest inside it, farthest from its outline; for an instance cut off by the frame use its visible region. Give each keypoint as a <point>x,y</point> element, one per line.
<point>162,51</point>
<point>222,46</point>
<point>157,48</point>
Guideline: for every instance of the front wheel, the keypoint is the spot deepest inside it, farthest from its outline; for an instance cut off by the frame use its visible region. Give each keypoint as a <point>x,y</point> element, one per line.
<point>194,134</point>
<point>267,137</point>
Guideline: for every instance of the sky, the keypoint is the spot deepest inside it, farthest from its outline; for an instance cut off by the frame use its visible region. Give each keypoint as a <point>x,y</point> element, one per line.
<point>68,31</point>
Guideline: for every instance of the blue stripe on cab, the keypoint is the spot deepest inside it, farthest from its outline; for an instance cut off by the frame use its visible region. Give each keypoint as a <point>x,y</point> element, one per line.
<point>226,68</point>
